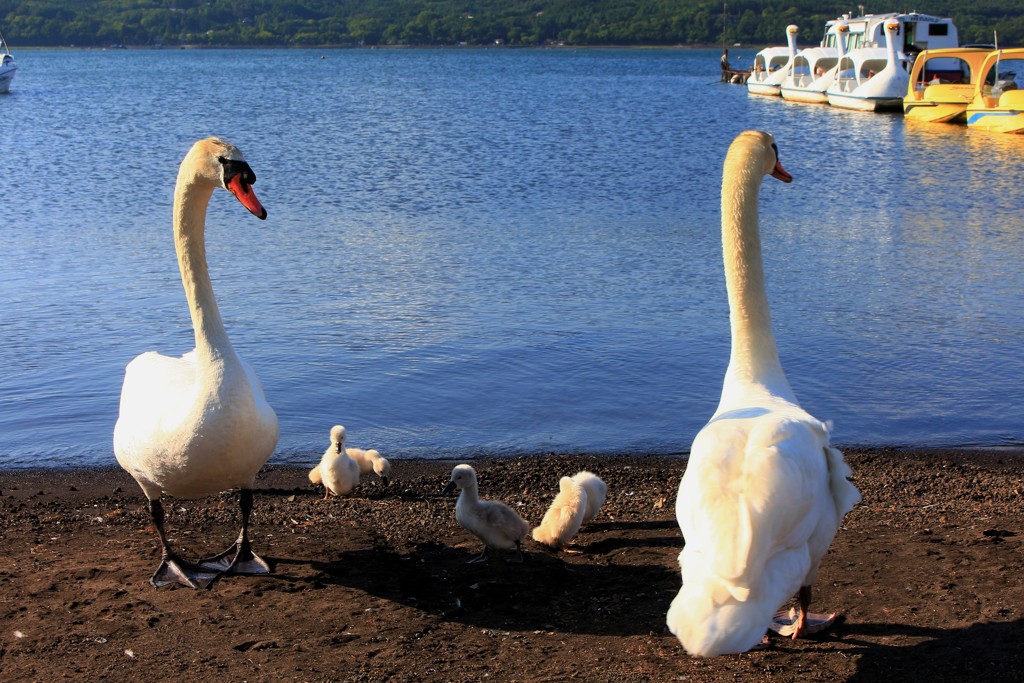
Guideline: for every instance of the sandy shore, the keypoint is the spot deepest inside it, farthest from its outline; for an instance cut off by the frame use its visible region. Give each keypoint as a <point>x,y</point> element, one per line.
<point>928,573</point>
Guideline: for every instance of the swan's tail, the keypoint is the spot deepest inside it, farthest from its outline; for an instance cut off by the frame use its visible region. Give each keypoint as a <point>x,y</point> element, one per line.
<point>315,476</point>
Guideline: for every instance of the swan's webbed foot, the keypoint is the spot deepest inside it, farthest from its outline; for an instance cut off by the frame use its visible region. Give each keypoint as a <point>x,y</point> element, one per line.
<point>237,559</point>
<point>795,623</point>
<point>482,557</point>
<point>173,570</point>
<point>815,623</point>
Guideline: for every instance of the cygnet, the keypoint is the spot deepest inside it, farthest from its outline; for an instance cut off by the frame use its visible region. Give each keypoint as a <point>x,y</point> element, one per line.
<point>493,522</point>
<point>562,521</point>
<point>371,461</point>
<point>337,471</point>
<point>596,491</point>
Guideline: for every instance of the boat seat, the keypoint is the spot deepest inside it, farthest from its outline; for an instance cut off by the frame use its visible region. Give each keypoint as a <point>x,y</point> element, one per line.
<point>947,92</point>
<point>1012,99</point>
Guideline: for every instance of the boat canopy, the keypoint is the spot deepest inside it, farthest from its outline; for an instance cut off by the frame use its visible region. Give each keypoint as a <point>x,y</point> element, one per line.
<point>771,59</point>
<point>947,66</point>
<point>917,32</point>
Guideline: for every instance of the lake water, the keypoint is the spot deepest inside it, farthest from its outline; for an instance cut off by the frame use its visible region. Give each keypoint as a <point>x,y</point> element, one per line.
<point>496,251</point>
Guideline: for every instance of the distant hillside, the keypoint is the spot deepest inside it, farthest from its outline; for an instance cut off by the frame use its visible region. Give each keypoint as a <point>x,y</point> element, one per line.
<point>95,23</point>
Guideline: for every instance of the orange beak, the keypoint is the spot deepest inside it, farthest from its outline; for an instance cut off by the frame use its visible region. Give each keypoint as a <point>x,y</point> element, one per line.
<point>777,172</point>
<point>243,192</point>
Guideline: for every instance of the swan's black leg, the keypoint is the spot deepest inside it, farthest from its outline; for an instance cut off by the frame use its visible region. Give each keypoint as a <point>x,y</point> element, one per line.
<point>172,568</point>
<point>239,558</point>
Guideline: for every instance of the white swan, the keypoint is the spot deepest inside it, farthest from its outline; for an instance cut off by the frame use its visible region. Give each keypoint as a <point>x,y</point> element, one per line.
<point>493,522</point>
<point>371,461</point>
<point>197,425</point>
<point>337,471</point>
<point>763,493</point>
<point>563,518</point>
<point>596,491</point>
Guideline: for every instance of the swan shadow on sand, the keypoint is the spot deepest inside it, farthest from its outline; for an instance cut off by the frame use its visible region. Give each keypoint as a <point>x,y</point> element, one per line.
<point>543,592</point>
<point>979,652</point>
<point>615,540</point>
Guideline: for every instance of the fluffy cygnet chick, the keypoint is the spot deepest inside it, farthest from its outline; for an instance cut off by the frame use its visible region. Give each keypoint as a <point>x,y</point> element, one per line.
<point>596,491</point>
<point>371,461</point>
<point>562,521</point>
<point>493,522</point>
<point>337,471</point>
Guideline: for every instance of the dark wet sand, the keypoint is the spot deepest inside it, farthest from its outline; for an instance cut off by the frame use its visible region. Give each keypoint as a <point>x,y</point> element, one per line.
<point>928,573</point>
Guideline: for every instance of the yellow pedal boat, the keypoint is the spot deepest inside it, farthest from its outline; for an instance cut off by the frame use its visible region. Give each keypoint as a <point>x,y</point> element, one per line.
<point>942,84</point>
<point>998,104</point>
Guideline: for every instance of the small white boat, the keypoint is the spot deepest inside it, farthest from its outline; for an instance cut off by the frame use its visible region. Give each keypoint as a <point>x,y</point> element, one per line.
<point>917,32</point>
<point>7,67</point>
<point>871,78</point>
<point>771,66</point>
<point>813,71</point>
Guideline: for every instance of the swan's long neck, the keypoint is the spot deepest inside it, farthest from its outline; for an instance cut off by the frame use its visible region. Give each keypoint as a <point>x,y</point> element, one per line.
<point>754,361</point>
<point>190,202</point>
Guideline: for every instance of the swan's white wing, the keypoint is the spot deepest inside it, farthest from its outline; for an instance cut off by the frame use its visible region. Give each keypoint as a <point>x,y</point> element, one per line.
<point>749,494</point>
<point>158,394</point>
<point>254,381</point>
<point>266,415</point>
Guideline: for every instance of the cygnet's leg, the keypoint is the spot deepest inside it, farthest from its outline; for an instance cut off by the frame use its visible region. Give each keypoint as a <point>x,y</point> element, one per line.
<point>482,557</point>
<point>239,558</point>
<point>519,552</point>
<point>172,568</point>
<point>798,622</point>
<point>570,548</point>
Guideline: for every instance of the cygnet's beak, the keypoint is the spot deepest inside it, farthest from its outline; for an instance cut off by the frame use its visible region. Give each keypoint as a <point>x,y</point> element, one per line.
<point>386,480</point>
<point>337,448</point>
<point>447,489</point>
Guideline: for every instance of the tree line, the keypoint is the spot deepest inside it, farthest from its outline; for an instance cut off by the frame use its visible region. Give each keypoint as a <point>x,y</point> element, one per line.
<point>319,23</point>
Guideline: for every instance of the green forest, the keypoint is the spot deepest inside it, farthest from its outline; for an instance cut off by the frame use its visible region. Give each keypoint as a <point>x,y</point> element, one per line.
<point>341,23</point>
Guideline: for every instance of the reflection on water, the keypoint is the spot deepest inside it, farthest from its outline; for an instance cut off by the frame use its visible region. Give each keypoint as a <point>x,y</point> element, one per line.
<point>501,251</point>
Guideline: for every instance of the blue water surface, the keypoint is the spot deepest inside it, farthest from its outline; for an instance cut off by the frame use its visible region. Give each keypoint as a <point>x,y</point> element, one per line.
<point>496,251</point>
